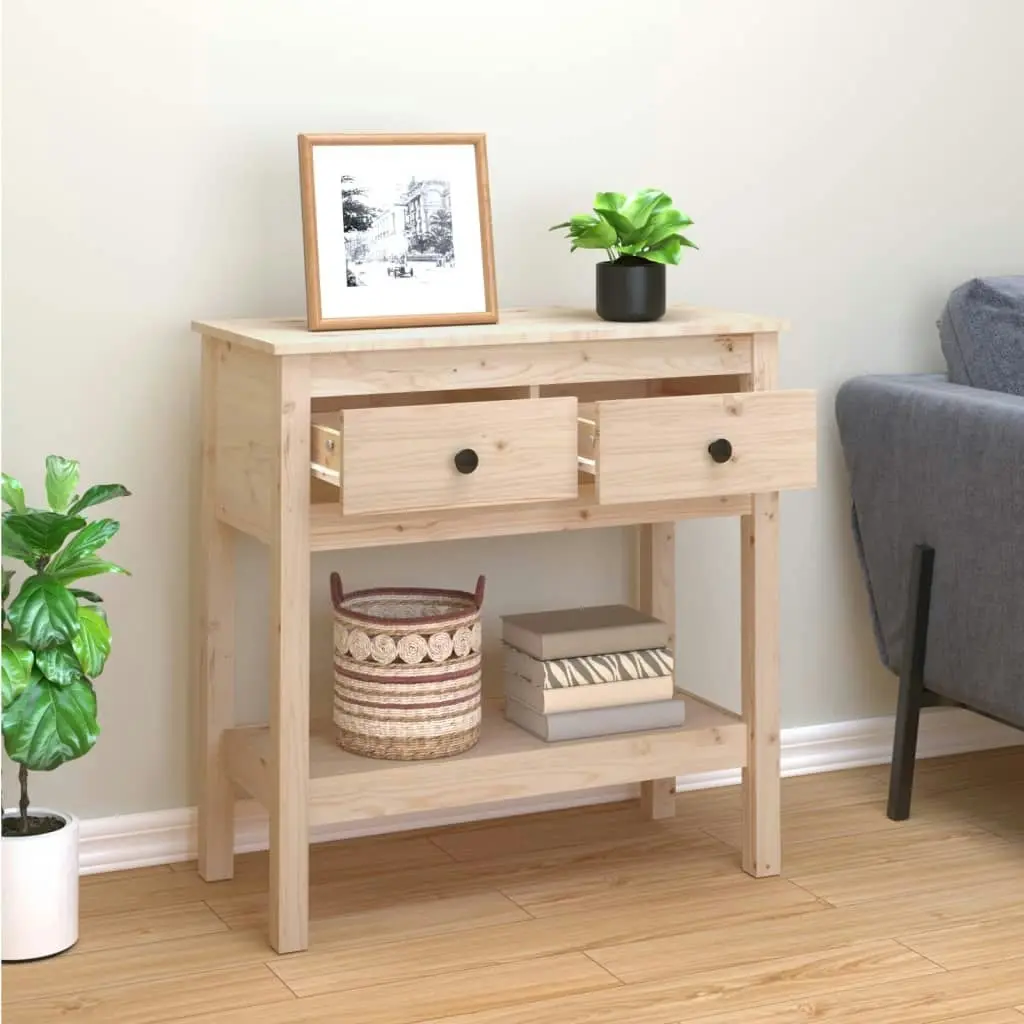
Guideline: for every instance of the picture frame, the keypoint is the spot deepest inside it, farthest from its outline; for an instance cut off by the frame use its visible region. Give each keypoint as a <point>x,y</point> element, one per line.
<point>396,230</point>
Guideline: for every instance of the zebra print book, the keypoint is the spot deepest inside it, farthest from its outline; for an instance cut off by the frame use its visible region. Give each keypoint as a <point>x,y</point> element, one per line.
<point>590,669</point>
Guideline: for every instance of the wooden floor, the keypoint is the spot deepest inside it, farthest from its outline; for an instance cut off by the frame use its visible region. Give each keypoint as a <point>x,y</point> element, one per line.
<point>590,917</point>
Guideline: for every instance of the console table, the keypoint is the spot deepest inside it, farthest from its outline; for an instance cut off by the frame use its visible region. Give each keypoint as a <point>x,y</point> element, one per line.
<point>320,442</point>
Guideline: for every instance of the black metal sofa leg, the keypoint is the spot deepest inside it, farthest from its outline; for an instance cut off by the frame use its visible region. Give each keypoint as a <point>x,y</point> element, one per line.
<point>908,711</point>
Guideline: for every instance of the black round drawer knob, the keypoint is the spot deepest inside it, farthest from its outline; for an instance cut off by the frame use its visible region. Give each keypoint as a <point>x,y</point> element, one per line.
<point>467,460</point>
<point>720,450</point>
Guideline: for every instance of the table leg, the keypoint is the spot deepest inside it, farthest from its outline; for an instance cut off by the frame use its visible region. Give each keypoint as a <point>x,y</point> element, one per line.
<point>654,592</point>
<point>216,642</point>
<point>289,666</point>
<point>760,683</point>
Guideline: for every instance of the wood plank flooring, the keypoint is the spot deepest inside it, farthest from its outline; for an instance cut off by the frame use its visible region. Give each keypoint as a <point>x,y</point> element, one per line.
<point>593,916</point>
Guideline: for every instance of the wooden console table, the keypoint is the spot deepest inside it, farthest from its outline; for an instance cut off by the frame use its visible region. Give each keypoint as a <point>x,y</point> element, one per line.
<point>321,442</point>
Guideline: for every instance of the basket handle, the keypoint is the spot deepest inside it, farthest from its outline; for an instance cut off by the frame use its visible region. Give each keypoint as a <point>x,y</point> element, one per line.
<point>337,593</point>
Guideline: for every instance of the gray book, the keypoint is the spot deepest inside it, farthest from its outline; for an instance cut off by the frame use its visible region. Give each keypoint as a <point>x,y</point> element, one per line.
<point>576,632</point>
<point>578,725</point>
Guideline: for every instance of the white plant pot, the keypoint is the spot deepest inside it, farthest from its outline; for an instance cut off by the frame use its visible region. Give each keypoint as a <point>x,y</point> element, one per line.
<point>39,891</point>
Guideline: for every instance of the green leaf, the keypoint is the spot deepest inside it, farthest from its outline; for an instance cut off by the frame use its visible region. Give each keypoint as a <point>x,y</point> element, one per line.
<point>86,595</point>
<point>598,236</point>
<point>92,642</point>
<point>644,204</point>
<point>555,227</point>
<point>61,481</point>
<point>13,493</point>
<point>15,547</point>
<point>17,668</point>
<point>582,222</point>
<point>90,566</point>
<point>98,494</point>
<point>44,613</point>
<point>675,216</point>
<point>42,533</point>
<point>91,539</point>
<point>605,201</point>
<point>621,224</point>
<point>8,576</point>
<point>666,251</point>
<point>663,224</point>
<point>49,724</point>
<point>61,664</point>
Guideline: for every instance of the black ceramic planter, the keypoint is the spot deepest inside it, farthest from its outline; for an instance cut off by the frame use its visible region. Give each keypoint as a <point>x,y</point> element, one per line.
<point>631,292</point>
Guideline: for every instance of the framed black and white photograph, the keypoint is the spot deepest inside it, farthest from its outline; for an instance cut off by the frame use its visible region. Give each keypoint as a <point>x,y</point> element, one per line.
<point>396,230</point>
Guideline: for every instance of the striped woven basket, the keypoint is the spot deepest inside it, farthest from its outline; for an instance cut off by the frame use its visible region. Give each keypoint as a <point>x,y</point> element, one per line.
<point>407,671</point>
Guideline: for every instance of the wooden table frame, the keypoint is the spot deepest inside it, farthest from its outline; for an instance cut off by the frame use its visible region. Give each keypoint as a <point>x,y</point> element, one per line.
<point>261,381</point>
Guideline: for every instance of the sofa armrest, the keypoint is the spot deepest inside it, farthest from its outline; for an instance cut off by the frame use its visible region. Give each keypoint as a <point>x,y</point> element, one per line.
<point>943,464</point>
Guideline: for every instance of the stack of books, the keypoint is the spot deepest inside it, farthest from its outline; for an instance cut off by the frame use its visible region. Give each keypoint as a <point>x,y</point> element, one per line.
<point>583,672</point>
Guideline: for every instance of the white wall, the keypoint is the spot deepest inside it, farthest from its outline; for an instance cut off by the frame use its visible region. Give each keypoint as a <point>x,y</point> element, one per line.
<point>846,165</point>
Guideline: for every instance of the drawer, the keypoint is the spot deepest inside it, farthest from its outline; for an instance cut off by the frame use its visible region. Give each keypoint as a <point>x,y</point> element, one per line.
<point>448,456</point>
<point>662,449</point>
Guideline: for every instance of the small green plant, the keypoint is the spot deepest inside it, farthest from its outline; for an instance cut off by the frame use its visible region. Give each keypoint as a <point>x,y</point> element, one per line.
<point>643,227</point>
<point>55,636</point>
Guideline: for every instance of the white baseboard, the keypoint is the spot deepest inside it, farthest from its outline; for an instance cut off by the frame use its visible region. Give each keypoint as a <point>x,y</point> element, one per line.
<point>163,837</point>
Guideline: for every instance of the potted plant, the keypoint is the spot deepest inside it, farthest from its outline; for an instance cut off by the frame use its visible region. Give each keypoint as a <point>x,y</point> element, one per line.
<point>641,235</point>
<point>55,643</point>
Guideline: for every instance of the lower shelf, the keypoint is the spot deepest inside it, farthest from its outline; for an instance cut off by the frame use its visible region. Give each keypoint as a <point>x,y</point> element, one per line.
<point>332,531</point>
<point>508,763</point>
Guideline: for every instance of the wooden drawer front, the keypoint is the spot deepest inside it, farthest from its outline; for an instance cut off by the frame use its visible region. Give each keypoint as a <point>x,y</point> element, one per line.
<point>403,458</point>
<point>655,449</point>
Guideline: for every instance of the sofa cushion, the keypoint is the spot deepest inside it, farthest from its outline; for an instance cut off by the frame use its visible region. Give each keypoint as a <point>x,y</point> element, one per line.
<point>982,334</point>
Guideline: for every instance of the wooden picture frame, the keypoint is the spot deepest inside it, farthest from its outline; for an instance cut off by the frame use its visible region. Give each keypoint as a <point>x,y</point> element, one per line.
<point>374,216</point>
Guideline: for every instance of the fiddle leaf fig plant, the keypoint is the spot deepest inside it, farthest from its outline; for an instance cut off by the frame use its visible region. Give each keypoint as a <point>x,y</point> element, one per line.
<point>644,226</point>
<point>56,639</point>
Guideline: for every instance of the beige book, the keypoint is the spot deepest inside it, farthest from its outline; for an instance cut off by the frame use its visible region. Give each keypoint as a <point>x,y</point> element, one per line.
<point>573,632</point>
<point>582,698</point>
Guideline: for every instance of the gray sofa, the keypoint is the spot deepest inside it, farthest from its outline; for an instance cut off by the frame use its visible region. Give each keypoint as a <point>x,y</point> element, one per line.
<point>936,467</point>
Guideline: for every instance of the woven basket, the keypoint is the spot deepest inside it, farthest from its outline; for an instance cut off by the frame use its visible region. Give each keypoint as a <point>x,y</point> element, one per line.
<point>407,671</point>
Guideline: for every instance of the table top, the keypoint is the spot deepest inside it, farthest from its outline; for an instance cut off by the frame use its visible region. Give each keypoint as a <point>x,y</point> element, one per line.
<point>520,326</point>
